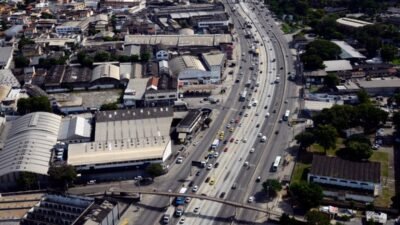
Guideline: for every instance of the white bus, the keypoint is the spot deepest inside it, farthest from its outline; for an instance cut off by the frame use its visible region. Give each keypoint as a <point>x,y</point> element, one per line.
<point>286,116</point>
<point>276,163</point>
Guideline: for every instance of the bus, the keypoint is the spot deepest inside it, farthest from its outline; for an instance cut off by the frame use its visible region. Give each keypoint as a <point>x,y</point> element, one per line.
<point>276,163</point>
<point>243,96</point>
<point>286,116</point>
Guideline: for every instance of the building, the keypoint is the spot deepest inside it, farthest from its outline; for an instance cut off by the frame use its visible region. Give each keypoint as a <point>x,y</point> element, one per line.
<point>26,146</point>
<point>352,23</point>
<point>57,210</point>
<point>215,63</point>
<point>348,52</point>
<point>315,77</point>
<point>337,66</point>
<point>190,71</point>
<point>205,40</point>
<point>73,27</point>
<point>122,4</point>
<point>380,86</point>
<point>105,76</point>
<point>376,217</point>
<point>7,78</point>
<point>101,212</point>
<point>359,180</point>
<point>6,56</point>
<point>134,92</point>
<point>125,138</point>
<point>75,129</point>
<point>189,124</point>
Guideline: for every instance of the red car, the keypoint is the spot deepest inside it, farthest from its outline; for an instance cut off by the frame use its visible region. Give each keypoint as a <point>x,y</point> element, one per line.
<point>225,149</point>
<point>232,140</point>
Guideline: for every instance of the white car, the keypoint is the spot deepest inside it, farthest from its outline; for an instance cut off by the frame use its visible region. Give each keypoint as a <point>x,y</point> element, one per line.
<point>179,160</point>
<point>267,114</point>
<point>246,163</point>
<point>182,221</point>
<point>196,210</point>
<point>195,188</point>
<point>252,150</point>
<point>251,199</point>
<point>244,140</point>
<point>259,135</point>
<point>216,154</point>
<point>210,166</point>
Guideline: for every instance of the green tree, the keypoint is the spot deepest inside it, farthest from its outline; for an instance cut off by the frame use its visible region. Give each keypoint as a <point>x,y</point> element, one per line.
<point>25,41</point>
<point>84,59</point>
<point>325,135</point>
<point>339,116</point>
<point>109,106</point>
<point>388,52</point>
<point>370,117</point>
<point>307,195</point>
<point>27,180</point>
<point>207,121</point>
<point>331,80</point>
<point>60,176</point>
<point>145,56</point>
<point>312,62</point>
<point>305,139</point>
<point>363,97</point>
<point>324,49</point>
<point>285,219</point>
<point>33,104</point>
<point>134,58</point>
<point>358,150</point>
<point>102,56</point>
<point>317,218</point>
<point>272,187</point>
<point>155,170</point>
<point>46,15</point>
<point>21,61</point>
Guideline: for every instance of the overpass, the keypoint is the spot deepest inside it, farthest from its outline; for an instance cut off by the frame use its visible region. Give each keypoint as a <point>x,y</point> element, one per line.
<point>201,197</point>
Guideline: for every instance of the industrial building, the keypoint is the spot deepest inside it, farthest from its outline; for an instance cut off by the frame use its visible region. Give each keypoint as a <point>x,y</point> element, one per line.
<point>124,138</point>
<point>26,145</point>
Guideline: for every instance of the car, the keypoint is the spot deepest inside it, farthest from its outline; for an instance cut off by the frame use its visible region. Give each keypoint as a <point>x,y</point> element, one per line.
<point>274,111</point>
<point>207,180</point>
<point>267,114</point>
<point>240,113</point>
<point>286,101</point>
<point>277,132</point>
<point>232,140</point>
<point>244,140</point>
<point>251,199</point>
<point>187,199</point>
<point>252,150</point>
<point>225,142</point>
<point>257,114</point>
<point>259,134</point>
<point>216,154</point>
<point>228,126</point>
<point>222,195</point>
<point>237,141</point>
<point>198,173</point>
<point>91,182</point>
<point>212,181</point>
<point>225,149</point>
<point>216,165</point>
<point>182,221</point>
<point>258,179</point>
<point>209,166</point>
<point>246,115</point>
<point>190,183</point>
<point>234,186</point>
<point>266,107</point>
<point>179,160</point>
<point>246,163</point>
<point>231,121</point>
<point>269,95</point>
<point>196,209</point>
<point>258,125</point>
<point>231,129</point>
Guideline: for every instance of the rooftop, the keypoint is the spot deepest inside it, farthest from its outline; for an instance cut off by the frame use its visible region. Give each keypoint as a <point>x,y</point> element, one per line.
<point>344,169</point>
<point>213,58</point>
<point>348,52</point>
<point>190,118</point>
<point>179,40</point>
<point>352,22</point>
<point>133,114</point>
<point>181,63</point>
<point>379,83</point>
<point>337,65</point>
<point>7,78</point>
<point>5,54</point>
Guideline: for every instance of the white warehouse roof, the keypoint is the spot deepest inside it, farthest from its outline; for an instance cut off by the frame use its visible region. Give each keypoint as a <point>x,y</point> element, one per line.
<point>181,63</point>
<point>105,71</point>
<point>348,51</point>
<point>337,65</point>
<point>74,128</point>
<point>29,142</point>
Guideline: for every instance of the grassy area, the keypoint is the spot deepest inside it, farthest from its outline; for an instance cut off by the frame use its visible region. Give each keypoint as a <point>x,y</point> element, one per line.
<point>300,172</point>
<point>385,199</point>
<point>396,61</point>
<point>316,148</point>
<point>287,29</point>
<point>383,158</point>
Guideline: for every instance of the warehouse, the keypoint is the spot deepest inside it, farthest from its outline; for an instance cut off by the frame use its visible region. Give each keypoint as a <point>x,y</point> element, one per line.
<point>125,138</point>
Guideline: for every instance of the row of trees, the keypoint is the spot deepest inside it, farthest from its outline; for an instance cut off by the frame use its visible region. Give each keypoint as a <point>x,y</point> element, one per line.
<point>101,56</point>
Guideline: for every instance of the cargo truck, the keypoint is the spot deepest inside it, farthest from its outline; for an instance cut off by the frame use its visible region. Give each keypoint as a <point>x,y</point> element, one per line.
<point>167,215</point>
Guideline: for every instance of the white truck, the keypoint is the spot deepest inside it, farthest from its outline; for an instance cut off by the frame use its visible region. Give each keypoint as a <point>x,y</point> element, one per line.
<point>263,138</point>
<point>179,210</point>
<point>167,215</point>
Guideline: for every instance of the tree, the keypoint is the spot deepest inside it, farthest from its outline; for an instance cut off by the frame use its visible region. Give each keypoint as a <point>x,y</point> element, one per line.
<point>62,175</point>
<point>307,194</point>
<point>27,180</point>
<point>370,117</point>
<point>358,151</point>
<point>317,218</point>
<point>331,80</point>
<point>25,41</point>
<point>84,59</point>
<point>33,104</point>
<point>21,61</point>
<point>339,116</point>
<point>155,170</point>
<point>372,44</point>
<point>305,139</point>
<point>145,56</point>
<point>109,106</point>
<point>324,49</point>
<point>285,219</point>
<point>363,97</point>
<point>207,121</point>
<point>388,52</point>
<point>325,135</point>
<point>134,58</point>
<point>102,57</point>
<point>46,15</point>
<point>312,62</point>
<point>271,187</point>
<point>396,120</point>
